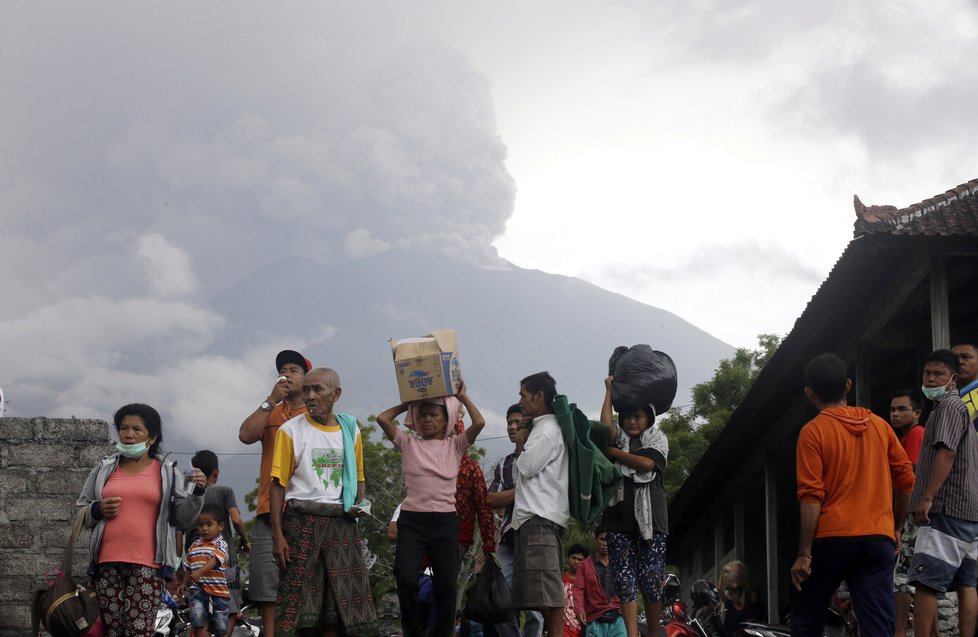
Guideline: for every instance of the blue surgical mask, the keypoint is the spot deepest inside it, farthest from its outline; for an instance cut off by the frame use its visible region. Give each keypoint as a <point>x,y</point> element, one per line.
<point>132,451</point>
<point>934,393</point>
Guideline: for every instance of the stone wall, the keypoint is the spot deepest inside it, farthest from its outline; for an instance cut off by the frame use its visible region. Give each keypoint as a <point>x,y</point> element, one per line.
<point>43,465</point>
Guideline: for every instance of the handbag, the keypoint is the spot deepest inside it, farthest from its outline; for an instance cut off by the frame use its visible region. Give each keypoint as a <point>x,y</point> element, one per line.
<point>64,606</point>
<point>489,599</point>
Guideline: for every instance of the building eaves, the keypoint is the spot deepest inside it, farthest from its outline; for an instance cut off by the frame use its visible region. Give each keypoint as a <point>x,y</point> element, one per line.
<point>950,214</point>
<point>863,265</point>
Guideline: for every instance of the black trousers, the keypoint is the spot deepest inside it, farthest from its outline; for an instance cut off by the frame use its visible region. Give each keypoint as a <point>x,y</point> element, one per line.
<point>867,567</point>
<point>434,535</point>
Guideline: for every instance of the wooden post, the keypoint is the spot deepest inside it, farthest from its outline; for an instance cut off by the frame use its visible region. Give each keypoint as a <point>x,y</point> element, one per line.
<point>863,394</point>
<point>940,327</point>
<point>717,546</point>
<point>771,536</point>
<point>739,548</point>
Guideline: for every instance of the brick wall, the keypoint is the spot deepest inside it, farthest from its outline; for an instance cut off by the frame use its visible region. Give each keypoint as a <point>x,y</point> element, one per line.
<point>43,465</point>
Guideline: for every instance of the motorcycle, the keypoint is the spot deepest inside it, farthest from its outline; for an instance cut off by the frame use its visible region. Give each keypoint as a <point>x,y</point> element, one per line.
<point>705,613</point>
<point>174,621</point>
<point>836,625</point>
<point>675,620</point>
<point>253,626</point>
<point>171,620</point>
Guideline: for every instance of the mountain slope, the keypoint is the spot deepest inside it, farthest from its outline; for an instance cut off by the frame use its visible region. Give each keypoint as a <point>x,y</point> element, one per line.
<point>510,323</point>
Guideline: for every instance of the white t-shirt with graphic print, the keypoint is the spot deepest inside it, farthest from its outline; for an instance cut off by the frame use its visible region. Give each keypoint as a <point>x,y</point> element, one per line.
<point>308,460</point>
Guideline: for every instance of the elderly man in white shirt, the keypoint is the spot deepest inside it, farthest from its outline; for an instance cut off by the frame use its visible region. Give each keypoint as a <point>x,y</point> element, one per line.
<point>541,511</point>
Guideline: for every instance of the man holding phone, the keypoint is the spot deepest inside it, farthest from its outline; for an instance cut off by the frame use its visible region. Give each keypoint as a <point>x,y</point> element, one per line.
<point>282,404</point>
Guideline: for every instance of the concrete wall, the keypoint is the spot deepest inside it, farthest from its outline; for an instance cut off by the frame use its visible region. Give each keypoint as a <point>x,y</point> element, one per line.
<point>43,465</point>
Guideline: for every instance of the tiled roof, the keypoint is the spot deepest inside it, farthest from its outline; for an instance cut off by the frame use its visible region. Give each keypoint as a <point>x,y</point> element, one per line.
<point>952,214</point>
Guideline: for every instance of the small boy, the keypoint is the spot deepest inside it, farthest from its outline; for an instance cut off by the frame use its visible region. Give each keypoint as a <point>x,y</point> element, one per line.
<point>223,496</point>
<point>204,572</point>
<point>575,555</point>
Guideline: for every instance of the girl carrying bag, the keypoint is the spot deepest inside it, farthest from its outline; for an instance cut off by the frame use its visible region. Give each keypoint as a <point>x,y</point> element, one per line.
<point>65,607</point>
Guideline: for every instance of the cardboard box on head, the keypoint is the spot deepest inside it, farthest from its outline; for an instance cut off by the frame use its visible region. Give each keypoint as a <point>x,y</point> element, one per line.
<point>427,366</point>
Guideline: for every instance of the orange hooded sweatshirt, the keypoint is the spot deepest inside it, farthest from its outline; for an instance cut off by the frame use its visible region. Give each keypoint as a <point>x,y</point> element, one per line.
<point>851,461</point>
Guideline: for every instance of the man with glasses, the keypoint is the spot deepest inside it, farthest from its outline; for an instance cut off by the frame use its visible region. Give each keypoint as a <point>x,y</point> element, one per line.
<point>502,495</point>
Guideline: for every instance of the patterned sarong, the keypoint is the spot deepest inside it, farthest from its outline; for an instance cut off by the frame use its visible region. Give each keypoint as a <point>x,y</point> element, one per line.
<point>326,581</point>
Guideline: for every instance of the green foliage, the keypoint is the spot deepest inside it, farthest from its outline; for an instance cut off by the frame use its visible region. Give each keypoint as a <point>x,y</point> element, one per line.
<point>578,533</point>
<point>251,502</point>
<point>692,428</point>
<point>385,490</point>
<point>686,446</point>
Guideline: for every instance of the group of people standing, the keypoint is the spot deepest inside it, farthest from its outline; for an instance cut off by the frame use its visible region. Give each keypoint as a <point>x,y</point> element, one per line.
<point>307,559</point>
<point>307,566</point>
<point>870,490</point>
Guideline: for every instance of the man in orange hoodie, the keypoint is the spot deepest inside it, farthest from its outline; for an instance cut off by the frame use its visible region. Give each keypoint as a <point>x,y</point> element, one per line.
<point>854,484</point>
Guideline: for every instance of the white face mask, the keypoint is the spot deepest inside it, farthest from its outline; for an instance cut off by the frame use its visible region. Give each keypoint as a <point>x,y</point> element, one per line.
<point>132,451</point>
<point>934,393</point>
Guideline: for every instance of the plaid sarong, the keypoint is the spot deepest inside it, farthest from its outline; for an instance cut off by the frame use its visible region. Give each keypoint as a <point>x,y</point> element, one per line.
<point>326,581</point>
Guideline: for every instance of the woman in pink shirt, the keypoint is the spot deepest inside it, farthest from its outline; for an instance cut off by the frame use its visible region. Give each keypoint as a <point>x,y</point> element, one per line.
<point>428,523</point>
<point>133,500</point>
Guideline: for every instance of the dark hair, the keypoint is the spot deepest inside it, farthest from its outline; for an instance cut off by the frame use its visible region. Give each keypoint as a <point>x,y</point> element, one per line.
<point>649,413</point>
<point>945,357</point>
<point>601,528</point>
<point>908,393</point>
<point>579,549</point>
<point>541,381</point>
<point>214,510</point>
<point>970,342</point>
<point>513,409</point>
<point>826,376</point>
<point>150,418</point>
<point>206,461</point>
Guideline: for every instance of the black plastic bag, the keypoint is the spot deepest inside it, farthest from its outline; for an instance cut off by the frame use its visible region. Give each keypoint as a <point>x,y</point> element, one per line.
<point>489,600</point>
<point>643,376</point>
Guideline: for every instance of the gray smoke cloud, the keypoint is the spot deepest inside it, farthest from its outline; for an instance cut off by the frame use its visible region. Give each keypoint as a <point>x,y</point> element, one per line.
<point>152,156</point>
<point>139,134</point>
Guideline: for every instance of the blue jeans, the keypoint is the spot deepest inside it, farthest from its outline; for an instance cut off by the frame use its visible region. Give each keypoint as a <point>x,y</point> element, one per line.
<point>204,607</point>
<point>867,567</point>
<point>532,620</point>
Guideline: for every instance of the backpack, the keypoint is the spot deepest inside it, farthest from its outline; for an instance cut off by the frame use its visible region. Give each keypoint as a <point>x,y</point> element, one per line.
<point>64,606</point>
<point>592,479</point>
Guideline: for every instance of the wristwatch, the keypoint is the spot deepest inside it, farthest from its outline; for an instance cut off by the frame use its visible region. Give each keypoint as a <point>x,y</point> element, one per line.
<point>265,406</point>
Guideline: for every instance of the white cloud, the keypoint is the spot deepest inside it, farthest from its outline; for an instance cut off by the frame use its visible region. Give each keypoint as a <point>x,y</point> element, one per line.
<point>88,357</point>
<point>168,269</point>
<point>61,343</point>
<point>359,244</point>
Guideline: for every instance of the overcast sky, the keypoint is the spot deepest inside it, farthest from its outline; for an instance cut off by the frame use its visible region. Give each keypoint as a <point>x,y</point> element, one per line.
<point>698,156</point>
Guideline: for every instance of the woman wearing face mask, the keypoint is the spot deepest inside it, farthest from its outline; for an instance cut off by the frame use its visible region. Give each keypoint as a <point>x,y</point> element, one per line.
<point>127,502</point>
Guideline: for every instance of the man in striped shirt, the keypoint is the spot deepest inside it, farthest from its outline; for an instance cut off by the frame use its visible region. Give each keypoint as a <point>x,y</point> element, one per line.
<point>945,501</point>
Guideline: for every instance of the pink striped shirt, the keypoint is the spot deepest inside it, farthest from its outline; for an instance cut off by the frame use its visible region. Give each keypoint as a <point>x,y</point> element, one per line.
<point>430,468</point>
